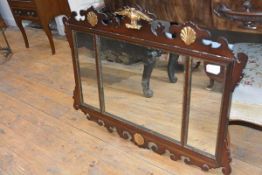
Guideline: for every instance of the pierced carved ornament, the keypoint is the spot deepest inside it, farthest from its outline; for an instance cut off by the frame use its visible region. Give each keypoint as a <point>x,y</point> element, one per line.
<point>135,16</point>
<point>188,35</point>
<point>92,18</point>
<point>139,139</point>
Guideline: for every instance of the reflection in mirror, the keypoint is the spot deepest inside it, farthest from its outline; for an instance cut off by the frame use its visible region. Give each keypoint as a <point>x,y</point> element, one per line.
<point>205,104</point>
<point>135,95</point>
<point>87,67</point>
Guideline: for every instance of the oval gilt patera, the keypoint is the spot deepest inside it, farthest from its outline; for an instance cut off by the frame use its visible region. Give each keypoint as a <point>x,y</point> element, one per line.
<point>188,35</point>
<point>139,139</point>
<point>92,18</point>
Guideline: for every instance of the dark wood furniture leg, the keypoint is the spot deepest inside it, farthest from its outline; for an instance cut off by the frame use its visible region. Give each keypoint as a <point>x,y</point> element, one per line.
<point>173,61</point>
<point>149,64</point>
<point>21,28</point>
<point>39,11</point>
<point>211,84</point>
<point>50,37</point>
<point>173,65</point>
<point>6,49</point>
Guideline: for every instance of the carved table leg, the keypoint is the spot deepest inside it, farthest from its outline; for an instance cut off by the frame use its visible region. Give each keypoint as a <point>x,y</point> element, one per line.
<point>196,66</point>
<point>173,61</point>
<point>50,37</point>
<point>149,64</point>
<point>20,26</point>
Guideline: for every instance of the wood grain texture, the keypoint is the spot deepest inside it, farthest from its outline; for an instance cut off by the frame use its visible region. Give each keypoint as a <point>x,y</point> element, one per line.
<point>41,133</point>
<point>224,24</point>
<point>178,11</point>
<point>198,11</point>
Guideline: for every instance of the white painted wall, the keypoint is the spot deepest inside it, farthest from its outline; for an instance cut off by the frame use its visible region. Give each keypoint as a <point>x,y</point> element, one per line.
<point>6,13</point>
<point>77,5</point>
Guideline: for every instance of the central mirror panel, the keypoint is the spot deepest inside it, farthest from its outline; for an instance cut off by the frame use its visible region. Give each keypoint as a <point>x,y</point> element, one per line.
<point>137,88</point>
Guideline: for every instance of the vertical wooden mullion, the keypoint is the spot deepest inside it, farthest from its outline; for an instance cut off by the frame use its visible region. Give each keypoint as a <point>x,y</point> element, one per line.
<point>224,113</point>
<point>99,73</point>
<point>186,101</point>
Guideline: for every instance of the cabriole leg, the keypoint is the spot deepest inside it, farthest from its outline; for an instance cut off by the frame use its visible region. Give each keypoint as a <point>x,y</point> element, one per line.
<point>172,63</point>
<point>149,64</point>
<point>21,28</point>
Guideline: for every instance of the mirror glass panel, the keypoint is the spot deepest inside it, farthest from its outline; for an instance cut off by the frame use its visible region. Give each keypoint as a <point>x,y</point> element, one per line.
<point>206,94</point>
<point>87,68</point>
<point>126,70</point>
<point>145,87</point>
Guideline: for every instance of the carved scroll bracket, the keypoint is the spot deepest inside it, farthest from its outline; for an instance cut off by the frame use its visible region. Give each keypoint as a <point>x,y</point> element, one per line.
<point>145,141</point>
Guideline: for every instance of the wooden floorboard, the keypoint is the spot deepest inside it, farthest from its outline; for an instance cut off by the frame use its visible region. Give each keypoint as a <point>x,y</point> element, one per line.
<point>41,133</point>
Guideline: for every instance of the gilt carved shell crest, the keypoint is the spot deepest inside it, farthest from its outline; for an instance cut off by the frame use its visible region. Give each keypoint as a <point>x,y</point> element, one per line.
<point>92,19</point>
<point>188,35</point>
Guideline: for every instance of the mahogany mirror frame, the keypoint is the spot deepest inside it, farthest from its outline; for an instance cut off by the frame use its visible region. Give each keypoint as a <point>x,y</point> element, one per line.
<point>99,24</point>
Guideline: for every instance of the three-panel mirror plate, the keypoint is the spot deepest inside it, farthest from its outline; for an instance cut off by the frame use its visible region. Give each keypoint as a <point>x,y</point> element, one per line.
<point>110,74</point>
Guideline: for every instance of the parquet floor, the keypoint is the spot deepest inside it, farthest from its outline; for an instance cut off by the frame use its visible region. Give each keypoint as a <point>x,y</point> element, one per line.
<point>41,133</point>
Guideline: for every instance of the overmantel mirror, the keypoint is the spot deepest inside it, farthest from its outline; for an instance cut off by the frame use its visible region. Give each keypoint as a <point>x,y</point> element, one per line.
<point>163,86</point>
